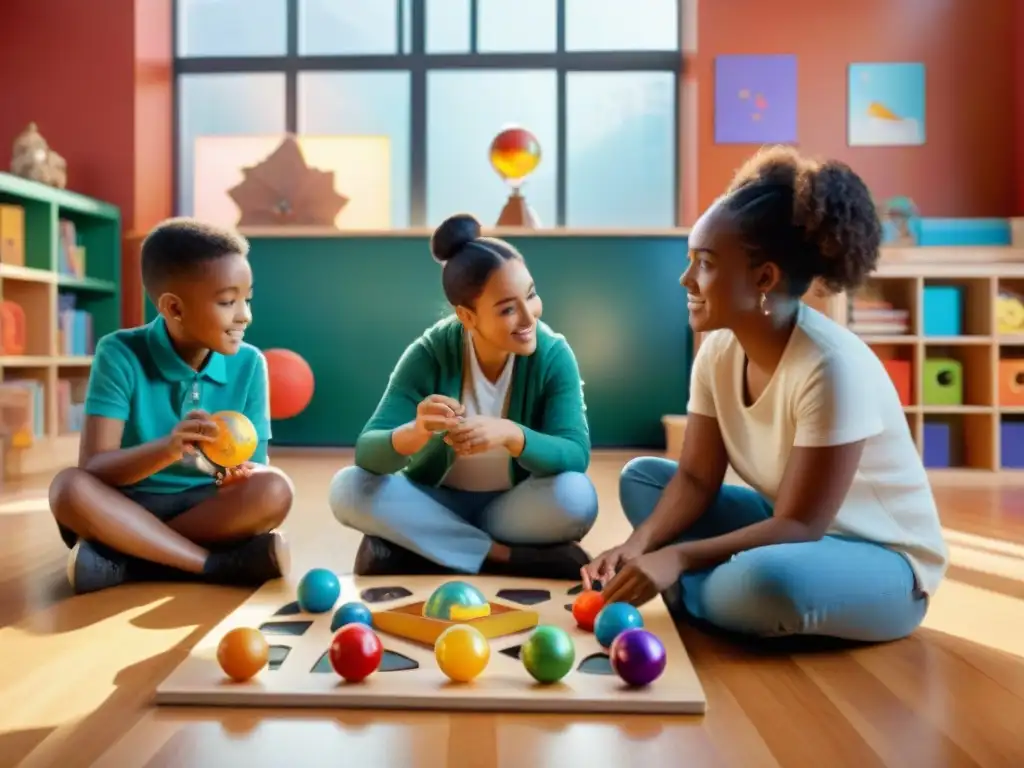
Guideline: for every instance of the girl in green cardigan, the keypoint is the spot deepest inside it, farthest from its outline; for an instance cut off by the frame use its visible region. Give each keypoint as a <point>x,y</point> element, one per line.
<point>475,458</point>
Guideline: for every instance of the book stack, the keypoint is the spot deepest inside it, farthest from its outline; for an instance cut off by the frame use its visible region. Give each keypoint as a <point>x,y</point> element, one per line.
<point>71,403</point>
<point>70,255</point>
<point>74,328</point>
<point>877,317</point>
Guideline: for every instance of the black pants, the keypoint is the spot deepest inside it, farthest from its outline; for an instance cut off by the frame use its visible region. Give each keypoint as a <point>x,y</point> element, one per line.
<point>165,506</point>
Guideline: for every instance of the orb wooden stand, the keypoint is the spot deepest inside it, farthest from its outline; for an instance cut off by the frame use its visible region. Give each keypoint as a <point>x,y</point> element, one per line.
<point>517,213</point>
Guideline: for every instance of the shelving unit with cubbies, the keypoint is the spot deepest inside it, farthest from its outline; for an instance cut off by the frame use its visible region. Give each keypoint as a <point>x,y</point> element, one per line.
<point>961,379</point>
<point>56,298</point>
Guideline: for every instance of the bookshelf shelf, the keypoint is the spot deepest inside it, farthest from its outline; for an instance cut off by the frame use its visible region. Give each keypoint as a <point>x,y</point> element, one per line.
<point>60,270</point>
<point>965,399</point>
<point>952,317</point>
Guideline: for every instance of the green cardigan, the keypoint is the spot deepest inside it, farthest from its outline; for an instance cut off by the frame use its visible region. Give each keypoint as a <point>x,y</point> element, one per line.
<point>546,400</point>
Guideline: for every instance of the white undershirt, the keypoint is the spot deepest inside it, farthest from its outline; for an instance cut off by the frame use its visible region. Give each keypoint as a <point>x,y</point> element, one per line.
<point>487,471</point>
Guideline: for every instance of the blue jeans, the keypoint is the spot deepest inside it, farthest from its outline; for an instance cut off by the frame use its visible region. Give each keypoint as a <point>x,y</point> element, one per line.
<point>456,529</point>
<point>835,587</point>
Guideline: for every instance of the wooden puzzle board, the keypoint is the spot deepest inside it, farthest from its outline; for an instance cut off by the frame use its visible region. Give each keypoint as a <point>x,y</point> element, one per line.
<point>504,685</point>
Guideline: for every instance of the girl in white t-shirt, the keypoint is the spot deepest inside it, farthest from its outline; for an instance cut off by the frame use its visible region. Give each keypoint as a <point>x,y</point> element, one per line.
<point>837,532</point>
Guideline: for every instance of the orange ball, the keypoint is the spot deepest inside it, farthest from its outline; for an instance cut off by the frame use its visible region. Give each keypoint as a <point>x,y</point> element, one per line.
<point>242,653</point>
<point>585,608</point>
<point>291,383</point>
<point>236,440</point>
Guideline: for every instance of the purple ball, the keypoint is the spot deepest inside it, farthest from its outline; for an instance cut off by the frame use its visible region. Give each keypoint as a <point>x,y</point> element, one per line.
<point>637,656</point>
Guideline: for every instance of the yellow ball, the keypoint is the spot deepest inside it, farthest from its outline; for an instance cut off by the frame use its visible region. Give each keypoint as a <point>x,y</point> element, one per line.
<point>236,440</point>
<point>462,652</point>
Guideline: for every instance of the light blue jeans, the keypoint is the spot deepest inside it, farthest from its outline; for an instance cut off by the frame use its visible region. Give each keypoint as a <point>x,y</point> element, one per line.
<point>834,587</point>
<point>454,528</point>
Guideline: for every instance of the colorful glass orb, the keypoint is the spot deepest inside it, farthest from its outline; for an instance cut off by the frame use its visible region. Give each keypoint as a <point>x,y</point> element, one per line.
<point>515,153</point>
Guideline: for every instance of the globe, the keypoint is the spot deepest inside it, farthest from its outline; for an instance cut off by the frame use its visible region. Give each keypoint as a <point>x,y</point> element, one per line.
<point>236,440</point>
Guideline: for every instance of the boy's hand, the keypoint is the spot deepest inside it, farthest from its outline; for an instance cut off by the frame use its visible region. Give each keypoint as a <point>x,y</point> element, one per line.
<point>195,428</point>
<point>236,474</point>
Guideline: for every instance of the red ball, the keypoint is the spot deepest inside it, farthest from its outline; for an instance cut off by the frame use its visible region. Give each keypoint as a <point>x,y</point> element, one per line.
<point>355,652</point>
<point>585,608</point>
<point>290,381</point>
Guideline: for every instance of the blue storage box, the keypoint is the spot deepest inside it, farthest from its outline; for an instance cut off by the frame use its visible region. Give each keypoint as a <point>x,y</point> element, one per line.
<point>937,445</point>
<point>963,232</point>
<point>943,310</point>
<point>1011,440</point>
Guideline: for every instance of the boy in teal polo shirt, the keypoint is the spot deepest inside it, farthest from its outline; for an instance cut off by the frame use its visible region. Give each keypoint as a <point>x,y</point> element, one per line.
<point>143,502</point>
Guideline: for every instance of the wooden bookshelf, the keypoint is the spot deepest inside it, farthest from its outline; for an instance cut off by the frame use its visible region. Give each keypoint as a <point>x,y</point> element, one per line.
<point>977,422</point>
<point>36,278</point>
<point>974,420</point>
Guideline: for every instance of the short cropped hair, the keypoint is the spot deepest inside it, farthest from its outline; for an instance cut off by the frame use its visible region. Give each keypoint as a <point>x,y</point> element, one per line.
<point>176,247</point>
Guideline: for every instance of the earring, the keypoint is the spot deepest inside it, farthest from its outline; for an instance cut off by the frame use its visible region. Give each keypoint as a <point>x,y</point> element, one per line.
<point>764,300</point>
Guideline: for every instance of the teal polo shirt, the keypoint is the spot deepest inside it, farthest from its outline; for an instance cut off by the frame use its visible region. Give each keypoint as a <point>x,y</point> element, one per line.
<point>138,378</point>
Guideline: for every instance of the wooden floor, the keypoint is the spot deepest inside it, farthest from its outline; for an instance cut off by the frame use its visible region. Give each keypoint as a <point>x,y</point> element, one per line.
<point>77,673</point>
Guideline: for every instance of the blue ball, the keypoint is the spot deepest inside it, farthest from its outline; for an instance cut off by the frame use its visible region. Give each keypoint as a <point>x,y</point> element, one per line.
<point>318,591</point>
<point>351,613</point>
<point>614,619</point>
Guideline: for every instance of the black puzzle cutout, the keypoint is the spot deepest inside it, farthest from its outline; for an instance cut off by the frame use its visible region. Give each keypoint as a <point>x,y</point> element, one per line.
<point>513,651</point>
<point>596,664</point>
<point>391,661</point>
<point>278,653</point>
<point>524,596</point>
<point>293,628</point>
<point>291,609</point>
<point>397,662</point>
<point>383,594</point>
<point>568,607</point>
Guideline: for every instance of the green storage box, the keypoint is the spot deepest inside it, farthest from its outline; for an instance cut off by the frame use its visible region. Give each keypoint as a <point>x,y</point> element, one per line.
<point>943,382</point>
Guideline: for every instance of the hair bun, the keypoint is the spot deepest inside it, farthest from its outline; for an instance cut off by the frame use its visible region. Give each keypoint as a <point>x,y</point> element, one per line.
<point>453,235</point>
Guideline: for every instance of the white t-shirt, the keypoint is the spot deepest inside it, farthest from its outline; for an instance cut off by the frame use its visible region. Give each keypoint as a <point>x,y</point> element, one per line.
<point>828,389</point>
<point>488,471</point>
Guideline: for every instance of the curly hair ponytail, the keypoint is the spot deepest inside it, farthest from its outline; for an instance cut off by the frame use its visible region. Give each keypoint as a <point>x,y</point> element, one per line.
<point>813,219</point>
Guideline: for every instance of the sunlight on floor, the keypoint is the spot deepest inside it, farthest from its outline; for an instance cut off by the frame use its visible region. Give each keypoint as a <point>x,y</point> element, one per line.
<point>72,658</point>
<point>26,505</point>
<point>990,610</point>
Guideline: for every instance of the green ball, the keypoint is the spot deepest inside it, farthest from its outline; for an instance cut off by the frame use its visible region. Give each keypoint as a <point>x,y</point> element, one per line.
<point>548,654</point>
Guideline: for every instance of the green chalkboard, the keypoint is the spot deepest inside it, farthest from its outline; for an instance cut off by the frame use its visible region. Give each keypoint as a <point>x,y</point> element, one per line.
<point>350,305</point>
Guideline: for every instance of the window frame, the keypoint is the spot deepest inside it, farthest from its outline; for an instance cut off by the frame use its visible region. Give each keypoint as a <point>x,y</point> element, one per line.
<point>418,62</point>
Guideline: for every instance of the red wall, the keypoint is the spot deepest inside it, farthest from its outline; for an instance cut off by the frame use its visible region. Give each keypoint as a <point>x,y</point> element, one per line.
<point>95,77</point>
<point>1018,126</point>
<point>967,166</point>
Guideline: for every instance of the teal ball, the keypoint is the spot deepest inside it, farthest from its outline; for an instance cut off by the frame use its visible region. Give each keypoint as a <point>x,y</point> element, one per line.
<point>318,590</point>
<point>351,613</point>
<point>613,620</point>
<point>452,593</point>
